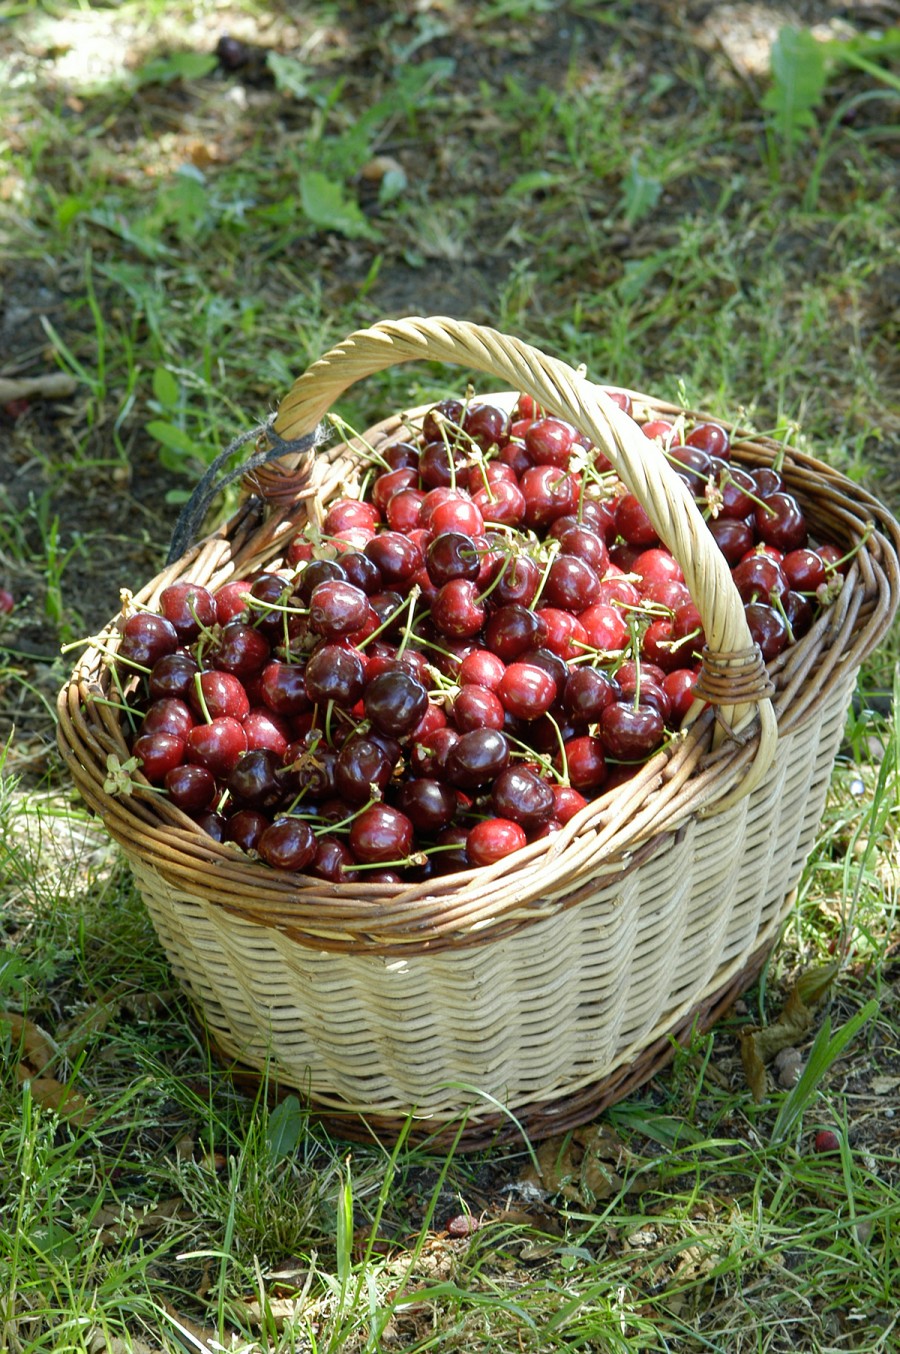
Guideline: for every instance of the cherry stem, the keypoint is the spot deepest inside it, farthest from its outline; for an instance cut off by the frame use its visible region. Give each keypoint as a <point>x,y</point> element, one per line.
<point>201,699</point>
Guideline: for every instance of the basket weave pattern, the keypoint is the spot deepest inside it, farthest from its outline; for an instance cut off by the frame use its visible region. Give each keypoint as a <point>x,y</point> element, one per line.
<point>550,982</point>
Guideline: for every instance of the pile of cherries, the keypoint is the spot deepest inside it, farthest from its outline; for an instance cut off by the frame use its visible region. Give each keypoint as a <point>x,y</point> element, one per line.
<point>455,662</point>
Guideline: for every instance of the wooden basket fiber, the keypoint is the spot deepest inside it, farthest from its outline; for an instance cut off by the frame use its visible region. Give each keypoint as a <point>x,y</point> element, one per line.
<point>535,991</point>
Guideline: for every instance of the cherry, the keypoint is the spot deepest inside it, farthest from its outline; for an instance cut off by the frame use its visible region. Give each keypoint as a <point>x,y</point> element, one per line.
<point>381,833</point>
<point>513,580</point>
<point>659,430</point>
<point>502,503</point>
<point>768,629</point>
<point>396,556</point>
<point>452,554</point>
<point>392,482</point>
<point>679,687</point>
<point>657,565</point>
<point>362,770</point>
<point>265,729</point>
<point>158,753</point>
<point>344,513</point>
<point>567,801</point>
<point>213,824</point>
<point>711,437</point>
<point>564,633</point>
<point>215,693</point>
<point>780,522</point>
<point>511,630</point>
<point>333,861</point>
<point>633,524</point>
<point>476,758</point>
<point>605,628</point>
<point>270,592</point>
<point>428,755</point>
<point>254,782</point>
<point>446,412</point>
<point>241,649</point>
<point>767,480</point>
<point>395,702</point>
<point>631,732</point>
<point>457,514</point>
<point>733,536</point>
<point>457,610</point>
<point>403,509</point>
<point>481,667</point>
<point>191,788</point>
<point>217,745</point>
<point>548,441</point>
<point>477,708</point>
<point>571,584</point>
<point>401,454</point>
<point>288,844</point>
<point>586,544</point>
<point>335,674</point>
<point>311,767</point>
<point>429,804</point>
<point>587,693</point>
<point>189,607</point>
<point>231,600</point>
<point>804,570</point>
<point>492,839</point>
<point>362,572</point>
<point>526,690</point>
<point>245,827</point>
<point>173,675</point>
<point>585,762</point>
<point>521,795</point>
<point>337,608</point>
<point>759,577</point>
<point>486,425</point>
<point>146,638</point>
<point>282,688</point>
<point>549,493</point>
<point>168,715</point>
<point>439,464</point>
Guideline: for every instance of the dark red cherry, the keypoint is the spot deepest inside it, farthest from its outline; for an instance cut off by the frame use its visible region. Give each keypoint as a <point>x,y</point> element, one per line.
<point>217,746</point>
<point>780,522</point>
<point>158,753</point>
<point>476,759</point>
<point>192,788</point>
<point>629,732</point>
<point>245,827</point>
<point>173,675</point>
<point>587,693</point>
<point>395,702</point>
<point>146,638</point>
<point>526,690</point>
<point>521,795</point>
<point>168,715</point>
<point>363,770</point>
<point>189,607</point>
<point>585,763</point>
<point>240,649</point>
<point>334,673</point>
<point>380,834</point>
<point>289,844</point>
<point>429,804</point>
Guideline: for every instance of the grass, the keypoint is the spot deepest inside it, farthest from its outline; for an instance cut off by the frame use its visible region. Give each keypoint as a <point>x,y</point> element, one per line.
<point>184,241</point>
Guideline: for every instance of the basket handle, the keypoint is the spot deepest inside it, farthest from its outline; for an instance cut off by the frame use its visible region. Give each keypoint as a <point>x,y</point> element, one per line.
<point>733,675</point>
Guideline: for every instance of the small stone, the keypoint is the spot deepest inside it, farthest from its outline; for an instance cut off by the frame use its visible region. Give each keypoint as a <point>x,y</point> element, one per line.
<point>788,1067</point>
<point>464,1224</point>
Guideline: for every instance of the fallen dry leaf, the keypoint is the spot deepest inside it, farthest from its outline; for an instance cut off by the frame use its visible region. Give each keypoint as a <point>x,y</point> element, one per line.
<point>759,1046</point>
<point>35,1048</point>
<point>584,1165</point>
<point>51,1094</point>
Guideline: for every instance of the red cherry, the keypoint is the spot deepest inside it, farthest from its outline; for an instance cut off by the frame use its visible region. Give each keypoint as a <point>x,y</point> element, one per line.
<point>146,638</point>
<point>526,690</point>
<point>456,610</point>
<point>633,524</point>
<point>629,732</point>
<point>567,801</point>
<point>189,607</point>
<point>481,667</point>
<point>159,753</point>
<point>585,762</point>
<point>381,833</point>
<point>826,1140</point>
<point>477,708</point>
<point>492,839</point>
<point>289,844</point>
<point>217,746</point>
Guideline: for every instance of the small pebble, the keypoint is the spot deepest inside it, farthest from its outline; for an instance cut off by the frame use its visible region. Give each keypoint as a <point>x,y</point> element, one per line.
<point>857,787</point>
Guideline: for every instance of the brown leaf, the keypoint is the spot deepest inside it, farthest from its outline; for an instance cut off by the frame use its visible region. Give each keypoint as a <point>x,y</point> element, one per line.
<point>583,1165</point>
<point>51,1094</point>
<point>34,1046</point>
<point>759,1046</point>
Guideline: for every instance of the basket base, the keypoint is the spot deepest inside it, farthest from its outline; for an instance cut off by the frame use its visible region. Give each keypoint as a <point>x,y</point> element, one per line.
<point>543,1119</point>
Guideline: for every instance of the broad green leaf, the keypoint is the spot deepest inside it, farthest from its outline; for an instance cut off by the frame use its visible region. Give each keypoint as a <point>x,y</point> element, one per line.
<point>326,206</point>
<point>165,388</point>
<point>798,82</point>
<point>291,76</point>
<point>285,1128</point>
<point>640,193</point>
<point>170,436</point>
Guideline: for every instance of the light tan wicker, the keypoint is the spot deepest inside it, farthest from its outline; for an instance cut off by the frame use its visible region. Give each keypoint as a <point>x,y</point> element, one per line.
<point>549,984</point>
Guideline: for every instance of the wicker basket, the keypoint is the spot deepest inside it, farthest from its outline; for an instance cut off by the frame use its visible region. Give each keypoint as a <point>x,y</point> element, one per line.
<point>538,990</point>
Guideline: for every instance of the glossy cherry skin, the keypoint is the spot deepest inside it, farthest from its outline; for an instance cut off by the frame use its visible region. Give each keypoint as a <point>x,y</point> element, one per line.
<point>780,522</point>
<point>189,607</point>
<point>217,693</point>
<point>457,610</point>
<point>159,753</point>
<point>492,839</point>
<point>521,795</point>
<point>477,708</point>
<point>173,675</point>
<point>429,804</point>
<point>629,732</point>
<point>587,693</point>
<point>380,834</point>
<point>217,746</point>
<point>241,649</point>
<point>526,690</point>
<point>192,788</point>
<point>476,759</point>
<point>337,674</point>
<point>289,844</point>
<point>395,702</point>
<point>146,638</point>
